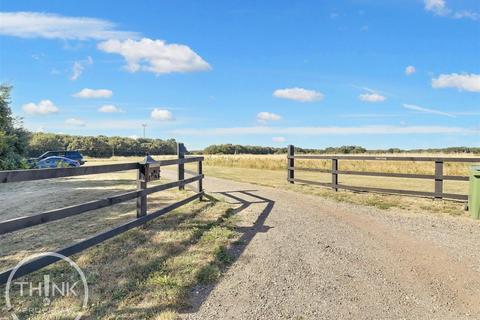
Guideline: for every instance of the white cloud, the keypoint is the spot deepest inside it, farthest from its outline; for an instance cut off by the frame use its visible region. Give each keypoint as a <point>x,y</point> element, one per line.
<point>79,66</point>
<point>268,116</point>
<point>43,107</point>
<point>467,82</point>
<point>155,56</point>
<point>109,108</point>
<point>426,110</point>
<point>410,70</point>
<point>279,139</point>
<point>364,130</point>
<point>466,14</point>
<point>93,93</point>
<point>161,115</point>
<point>372,97</point>
<point>53,26</point>
<point>440,8</point>
<point>298,94</point>
<point>75,122</point>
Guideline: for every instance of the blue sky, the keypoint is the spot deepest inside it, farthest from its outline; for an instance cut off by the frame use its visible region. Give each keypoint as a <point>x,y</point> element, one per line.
<point>398,73</point>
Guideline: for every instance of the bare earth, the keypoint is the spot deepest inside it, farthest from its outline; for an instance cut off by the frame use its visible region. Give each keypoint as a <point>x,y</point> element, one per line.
<point>305,257</point>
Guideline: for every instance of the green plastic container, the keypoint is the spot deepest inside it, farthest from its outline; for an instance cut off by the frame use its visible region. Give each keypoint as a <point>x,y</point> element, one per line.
<point>474,196</point>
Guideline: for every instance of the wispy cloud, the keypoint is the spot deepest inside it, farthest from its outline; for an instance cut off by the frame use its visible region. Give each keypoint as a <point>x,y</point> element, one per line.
<point>373,91</point>
<point>79,66</point>
<point>264,117</point>
<point>372,97</point>
<point>369,115</point>
<point>298,94</point>
<point>440,8</point>
<point>279,139</point>
<point>87,93</point>
<point>75,122</point>
<point>53,26</point>
<point>362,130</point>
<point>426,110</point>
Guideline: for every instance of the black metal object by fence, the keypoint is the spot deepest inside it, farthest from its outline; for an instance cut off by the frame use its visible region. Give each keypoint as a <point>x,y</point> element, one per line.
<point>145,172</point>
<point>438,177</point>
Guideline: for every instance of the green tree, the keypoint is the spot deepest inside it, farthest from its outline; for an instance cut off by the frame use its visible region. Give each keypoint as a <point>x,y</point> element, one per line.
<point>13,138</point>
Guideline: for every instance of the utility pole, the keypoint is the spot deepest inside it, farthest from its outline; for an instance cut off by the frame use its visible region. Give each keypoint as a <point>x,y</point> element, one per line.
<point>144,125</point>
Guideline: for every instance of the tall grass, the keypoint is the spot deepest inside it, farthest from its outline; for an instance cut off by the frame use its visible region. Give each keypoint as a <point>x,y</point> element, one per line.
<point>279,162</point>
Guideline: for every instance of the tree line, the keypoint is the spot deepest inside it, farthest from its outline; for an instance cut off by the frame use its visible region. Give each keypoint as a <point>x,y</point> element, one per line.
<point>242,149</point>
<point>98,146</point>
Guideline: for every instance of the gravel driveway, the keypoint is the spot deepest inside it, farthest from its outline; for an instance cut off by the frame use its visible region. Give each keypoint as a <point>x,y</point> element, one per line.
<point>306,257</point>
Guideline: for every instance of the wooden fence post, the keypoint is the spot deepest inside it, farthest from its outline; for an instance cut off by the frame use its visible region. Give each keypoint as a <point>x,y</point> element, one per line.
<point>181,166</point>
<point>438,179</point>
<point>291,163</point>
<point>334,174</point>
<point>200,172</point>
<point>142,185</point>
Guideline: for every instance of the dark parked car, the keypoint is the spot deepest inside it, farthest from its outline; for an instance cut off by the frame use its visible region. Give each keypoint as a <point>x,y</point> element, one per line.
<point>56,162</point>
<point>70,154</point>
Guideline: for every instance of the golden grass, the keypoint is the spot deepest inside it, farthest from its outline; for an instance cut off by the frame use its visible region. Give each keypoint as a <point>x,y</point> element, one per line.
<point>277,179</point>
<point>279,162</point>
<point>145,273</point>
<point>270,170</point>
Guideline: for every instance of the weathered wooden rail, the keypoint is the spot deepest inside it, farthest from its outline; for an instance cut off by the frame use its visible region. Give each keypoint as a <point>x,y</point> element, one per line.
<point>140,194</point>
<point>335,171</point>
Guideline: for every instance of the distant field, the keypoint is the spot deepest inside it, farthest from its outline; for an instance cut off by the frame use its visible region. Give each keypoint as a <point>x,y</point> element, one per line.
<point>278,162</point>
<point>270,170</point>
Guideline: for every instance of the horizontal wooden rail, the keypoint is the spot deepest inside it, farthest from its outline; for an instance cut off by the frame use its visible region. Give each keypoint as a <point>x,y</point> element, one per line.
<point>170,162</point>
<point>382,174</point>
<point>53,215</point>
<point>381,190</point>
<point>40,174</point>
<point>438,178</point>
<point>310,169</point>
<point>42,262</point>
<point>373,158</point>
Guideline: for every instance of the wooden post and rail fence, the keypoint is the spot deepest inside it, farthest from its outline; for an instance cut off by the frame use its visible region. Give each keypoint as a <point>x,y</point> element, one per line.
<point>146,171</point>
<point>439,177</point>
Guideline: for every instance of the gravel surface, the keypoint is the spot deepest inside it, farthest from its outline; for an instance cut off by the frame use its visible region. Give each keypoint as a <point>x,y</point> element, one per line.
<point>306,257</point>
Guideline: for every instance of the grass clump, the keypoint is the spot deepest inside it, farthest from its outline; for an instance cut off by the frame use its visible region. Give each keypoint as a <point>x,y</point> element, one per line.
<point>208,274</point>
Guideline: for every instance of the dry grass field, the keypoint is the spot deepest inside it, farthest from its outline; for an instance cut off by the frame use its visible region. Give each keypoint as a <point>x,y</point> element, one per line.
<point>152,268</point>
<point>270,170</point>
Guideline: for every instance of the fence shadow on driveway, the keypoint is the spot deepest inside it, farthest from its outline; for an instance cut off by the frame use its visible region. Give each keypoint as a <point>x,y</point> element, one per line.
<point>201,293</point>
